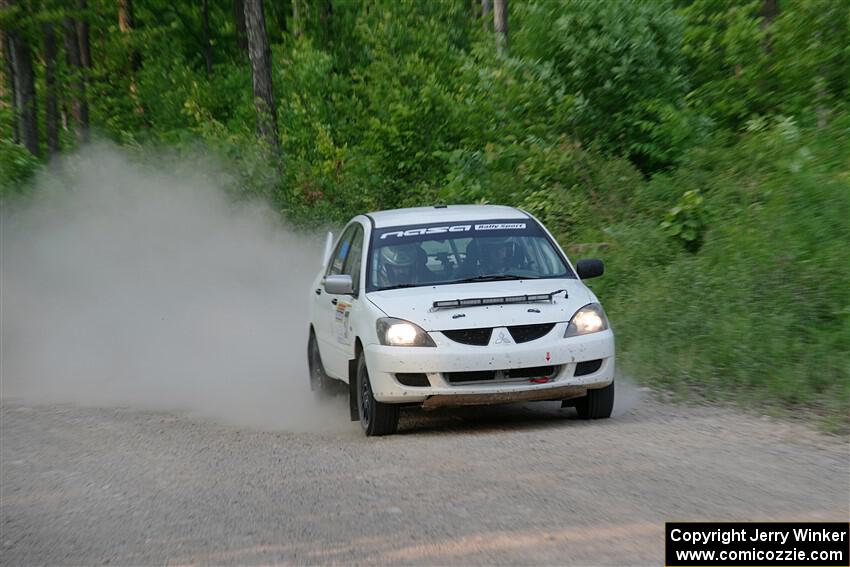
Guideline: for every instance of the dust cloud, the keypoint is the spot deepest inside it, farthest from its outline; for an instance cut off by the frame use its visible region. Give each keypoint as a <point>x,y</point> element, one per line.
<point>627,396</point>
<point>148,287</point>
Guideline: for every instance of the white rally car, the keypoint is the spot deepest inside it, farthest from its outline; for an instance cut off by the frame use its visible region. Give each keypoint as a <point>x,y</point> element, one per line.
<point>456,305</point>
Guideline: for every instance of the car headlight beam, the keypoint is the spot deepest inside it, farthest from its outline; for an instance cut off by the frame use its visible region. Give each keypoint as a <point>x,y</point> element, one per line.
<point>589,319</point>
<point>398,332</point>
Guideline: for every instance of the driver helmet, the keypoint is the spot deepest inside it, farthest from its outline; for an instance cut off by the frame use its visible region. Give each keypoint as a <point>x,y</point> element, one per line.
<point>496,253</point>
<point>397,263</point>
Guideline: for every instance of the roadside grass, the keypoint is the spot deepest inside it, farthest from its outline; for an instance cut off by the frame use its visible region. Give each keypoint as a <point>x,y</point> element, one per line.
<point>760,313</point>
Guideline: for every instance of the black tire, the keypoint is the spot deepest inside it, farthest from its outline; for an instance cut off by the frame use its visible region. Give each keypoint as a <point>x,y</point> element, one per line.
<point>320,382</point>
<point>376,418</point>
<point>597,404</point>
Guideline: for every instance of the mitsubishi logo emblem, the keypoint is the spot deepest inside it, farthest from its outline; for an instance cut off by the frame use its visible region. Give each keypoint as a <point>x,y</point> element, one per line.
<point>502,339</point>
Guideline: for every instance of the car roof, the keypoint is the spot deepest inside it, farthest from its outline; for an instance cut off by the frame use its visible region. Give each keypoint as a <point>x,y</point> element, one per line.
<point>444,213</point>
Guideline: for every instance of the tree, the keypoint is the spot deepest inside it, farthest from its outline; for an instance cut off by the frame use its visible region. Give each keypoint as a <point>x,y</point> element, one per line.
<point>126,24</point>
<point>25,104</point>
<point>239,20</point>
<point>261,70</point>
<point>9,83</point>
<point>769,11</point>
<point>205,7</point>
<point>297,24</point>
<point>51,107</point>
<point>126,19</point>
<point>79,103</point>
<point>327,21</point>
<point>83,34</point>
<point>500,24</point>
<point>486,8</point>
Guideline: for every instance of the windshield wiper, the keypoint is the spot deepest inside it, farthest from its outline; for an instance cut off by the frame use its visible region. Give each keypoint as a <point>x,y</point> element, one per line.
<point>400,286</point>
<point>487,278</point>
<point>495,278</point>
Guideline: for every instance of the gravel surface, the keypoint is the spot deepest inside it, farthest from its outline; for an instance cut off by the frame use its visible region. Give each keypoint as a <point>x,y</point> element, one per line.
<point>522,484</point>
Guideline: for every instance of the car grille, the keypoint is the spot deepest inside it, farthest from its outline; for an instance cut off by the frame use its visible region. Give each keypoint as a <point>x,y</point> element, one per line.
<point>502,375</point>
<point>470,376</point>
<point>481,337</point>
<point>477,337</point>
<point>525,333</point>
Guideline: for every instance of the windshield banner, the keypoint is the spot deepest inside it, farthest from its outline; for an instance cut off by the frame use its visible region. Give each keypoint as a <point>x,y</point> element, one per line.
<point>416,233</point>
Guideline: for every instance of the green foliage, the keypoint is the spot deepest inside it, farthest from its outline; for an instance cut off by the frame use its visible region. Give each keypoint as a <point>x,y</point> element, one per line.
<point>810,57</point>
<point>761,311</point>
<point>686,221</point>
<point>741,66</point>
<point>622,59</point>
<point>17,166</point>
<point>723,51</point>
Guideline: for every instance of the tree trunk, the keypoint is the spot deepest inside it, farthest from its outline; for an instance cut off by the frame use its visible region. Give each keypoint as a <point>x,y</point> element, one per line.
<point>207,38</point>
<point>9,89</point>
<point>327,21</point>
<point>126,24</point>
<point>25,101</point>
<point>282,12</point>
<point>500,24</point>
<point>125,15</point>
<point>260,55</point>
<point>83,35</point>
<point>79,104</point>
<point>769,11</point>
<point>297,24</point>
<point>51,107</point>
<point>486,7</point>
<point>241,33</point>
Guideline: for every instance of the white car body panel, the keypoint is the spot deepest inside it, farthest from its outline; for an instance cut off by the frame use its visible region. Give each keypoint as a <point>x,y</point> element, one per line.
<point>340,321</point>
<point>416,304</point>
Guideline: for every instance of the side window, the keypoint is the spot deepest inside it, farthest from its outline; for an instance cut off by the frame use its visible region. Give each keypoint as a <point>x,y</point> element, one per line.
<point>341,252</point>
<point>353,260</point>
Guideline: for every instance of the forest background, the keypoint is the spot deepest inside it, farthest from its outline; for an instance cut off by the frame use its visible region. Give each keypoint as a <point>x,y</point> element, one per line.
<point>701,148</point>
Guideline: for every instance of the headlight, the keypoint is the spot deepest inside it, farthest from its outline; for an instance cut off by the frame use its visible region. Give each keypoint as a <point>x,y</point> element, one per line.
<point>589,319</point>
<point>397,332</point>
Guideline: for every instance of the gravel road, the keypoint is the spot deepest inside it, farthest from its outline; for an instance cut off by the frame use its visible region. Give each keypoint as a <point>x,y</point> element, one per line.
<point>522,484</point>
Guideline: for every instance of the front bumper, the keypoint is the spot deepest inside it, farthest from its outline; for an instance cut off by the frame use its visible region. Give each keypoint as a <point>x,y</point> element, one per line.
<point>384,362</point>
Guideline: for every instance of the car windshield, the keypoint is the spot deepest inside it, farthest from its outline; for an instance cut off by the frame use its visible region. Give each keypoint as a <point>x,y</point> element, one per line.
<point>437,254</point>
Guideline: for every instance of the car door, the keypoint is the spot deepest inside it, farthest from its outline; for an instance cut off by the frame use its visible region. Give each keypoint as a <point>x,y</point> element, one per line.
<point>342,344</point>
<point>325,304</point>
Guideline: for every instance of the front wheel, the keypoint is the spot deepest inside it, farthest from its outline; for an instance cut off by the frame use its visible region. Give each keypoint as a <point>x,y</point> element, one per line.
<point>376,418</point>
<point>597,404</point>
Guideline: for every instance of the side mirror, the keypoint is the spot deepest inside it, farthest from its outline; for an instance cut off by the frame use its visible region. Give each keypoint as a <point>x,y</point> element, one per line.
<point>339,285</point>
<point>590,268</point>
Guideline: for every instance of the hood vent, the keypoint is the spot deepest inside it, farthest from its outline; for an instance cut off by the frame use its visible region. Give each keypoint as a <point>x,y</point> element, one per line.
<point>508,300</point>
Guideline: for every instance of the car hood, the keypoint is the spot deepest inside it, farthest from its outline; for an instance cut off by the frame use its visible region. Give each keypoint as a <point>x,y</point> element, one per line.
<point>415,304</point>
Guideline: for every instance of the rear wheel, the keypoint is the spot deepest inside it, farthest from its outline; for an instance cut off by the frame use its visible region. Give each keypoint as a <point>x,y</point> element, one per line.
<point>597,404</point>
<point>320,382</point>
<point>376,418</point>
